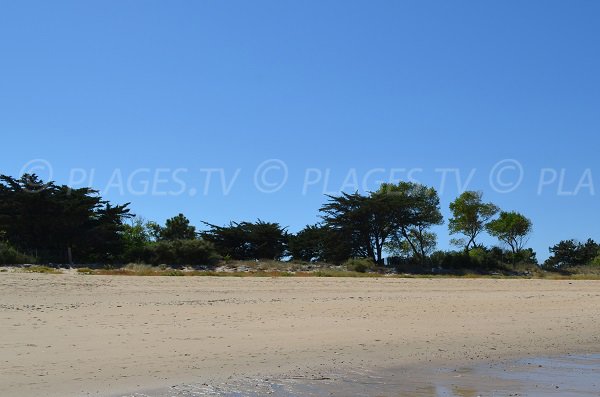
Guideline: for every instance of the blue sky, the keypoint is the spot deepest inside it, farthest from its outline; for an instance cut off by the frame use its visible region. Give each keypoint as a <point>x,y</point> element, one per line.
<point>97,90</point>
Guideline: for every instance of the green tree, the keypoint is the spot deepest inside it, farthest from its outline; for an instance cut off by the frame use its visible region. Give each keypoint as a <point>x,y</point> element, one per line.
<point>247,240</point>
<point>564,254</point>
<point>470,216</point>
<point>55,223</point>
<point>418,210</point>
<point>588,252</point>
<point>394,212</point>
<point>570,253</point>
<point>318,243</point>
<point>177,228</point>
<point>268,240</point>
<point>419,246</point>
<point>136,238</point>
<point>366,222</point>
<point>511,228</point>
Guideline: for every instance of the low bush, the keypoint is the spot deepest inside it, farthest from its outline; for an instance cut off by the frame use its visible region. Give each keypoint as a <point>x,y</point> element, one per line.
<point>359,265</point>
<point>10,256</point>
<point>181,253</point>
<point>41,269</point>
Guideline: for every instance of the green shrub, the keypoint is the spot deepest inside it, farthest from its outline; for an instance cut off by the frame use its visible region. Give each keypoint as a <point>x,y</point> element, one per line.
<point>359,265</point>
<point>478,255</point>
<point>41,269</point>
<point>181,253</point>
<point>10,256</point>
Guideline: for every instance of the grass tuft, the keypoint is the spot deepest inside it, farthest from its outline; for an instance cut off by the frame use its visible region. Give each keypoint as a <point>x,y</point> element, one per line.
<point>41,269</point>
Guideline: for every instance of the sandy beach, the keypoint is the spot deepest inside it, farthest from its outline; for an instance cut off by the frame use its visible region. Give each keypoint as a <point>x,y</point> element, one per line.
<point>77,335</point>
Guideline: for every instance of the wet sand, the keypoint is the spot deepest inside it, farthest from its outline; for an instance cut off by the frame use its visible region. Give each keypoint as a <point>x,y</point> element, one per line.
<point>565,376</point>
<point>76,335</point>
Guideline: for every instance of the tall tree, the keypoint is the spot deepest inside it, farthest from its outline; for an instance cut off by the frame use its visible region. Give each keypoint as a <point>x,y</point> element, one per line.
<point>511,228</point>
<point>418,210</point>
<point>56,223</point>
<point>366,221</point>
<point>470,216</point>
<point>394,212</point>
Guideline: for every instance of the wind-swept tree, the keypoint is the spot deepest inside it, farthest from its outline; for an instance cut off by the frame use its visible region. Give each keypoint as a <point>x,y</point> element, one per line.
<point>56,223</point>
<point>247,240</point>
<point>470,216</point>
<point>318,243</point>
<point>418,212</point>
<point>367,222</point>
<point>394,212</point>
<point>511,228</point>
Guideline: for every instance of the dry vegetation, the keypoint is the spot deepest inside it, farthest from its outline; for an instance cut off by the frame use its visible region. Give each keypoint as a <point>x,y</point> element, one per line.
<point>303,269</point>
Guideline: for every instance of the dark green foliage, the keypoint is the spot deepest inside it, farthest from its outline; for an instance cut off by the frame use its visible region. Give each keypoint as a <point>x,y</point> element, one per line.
<point>569,253</point>
<point>175,244</point>
<point>359,265</point>
<point>318,243</point>
<point>47,221</point>
<point>363,222</point>
<point>247,240</point>
<point>482,260</point>
<point>180,253</point>
<point>10,256</point>
<point>177,228</point>
<point>401,212</point>
<point>43,222</point>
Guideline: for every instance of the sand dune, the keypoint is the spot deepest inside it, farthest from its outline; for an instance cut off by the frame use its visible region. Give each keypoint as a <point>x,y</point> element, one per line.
<point>74,335</point>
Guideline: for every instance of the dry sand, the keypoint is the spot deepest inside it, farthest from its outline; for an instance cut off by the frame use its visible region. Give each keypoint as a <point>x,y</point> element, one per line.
<point>75,335</point>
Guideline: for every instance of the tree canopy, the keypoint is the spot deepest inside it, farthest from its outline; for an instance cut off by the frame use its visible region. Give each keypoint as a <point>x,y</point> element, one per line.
<point>511,228</point>
<point>56,223</point>
<point>248,240</point>
<point>393,213</point>
<point>570,253</point>
<point>319,243</point>
<point>51,223</point>
<point>470,216</point>
<point>419,211</point>
<point>176,228</point>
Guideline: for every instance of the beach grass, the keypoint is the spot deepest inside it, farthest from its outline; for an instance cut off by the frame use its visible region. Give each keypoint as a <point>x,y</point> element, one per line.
<point>41,269</point>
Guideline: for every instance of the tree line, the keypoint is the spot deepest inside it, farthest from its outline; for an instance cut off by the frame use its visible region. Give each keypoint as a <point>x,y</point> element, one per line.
<point>50,223</point>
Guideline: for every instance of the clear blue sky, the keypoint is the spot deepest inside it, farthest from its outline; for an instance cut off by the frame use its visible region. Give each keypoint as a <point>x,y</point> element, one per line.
<point>94,87</point>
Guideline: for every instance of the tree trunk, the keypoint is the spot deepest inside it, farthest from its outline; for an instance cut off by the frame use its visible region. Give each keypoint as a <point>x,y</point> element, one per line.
<point>70,256</point>
<point>412,246</point>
